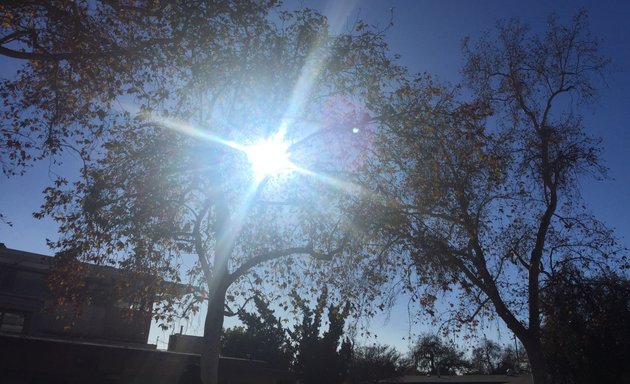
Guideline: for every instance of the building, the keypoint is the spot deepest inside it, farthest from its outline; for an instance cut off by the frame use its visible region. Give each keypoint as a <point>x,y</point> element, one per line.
<point>26,304</point>
<point>104,346</point>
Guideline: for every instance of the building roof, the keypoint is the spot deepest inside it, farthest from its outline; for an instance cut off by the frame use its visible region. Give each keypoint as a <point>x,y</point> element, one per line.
<point>23,259</point>
<point>43,263</point>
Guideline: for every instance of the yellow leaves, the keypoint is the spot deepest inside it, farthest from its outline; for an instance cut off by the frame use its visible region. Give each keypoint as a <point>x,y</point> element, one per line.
<point>7,19</point>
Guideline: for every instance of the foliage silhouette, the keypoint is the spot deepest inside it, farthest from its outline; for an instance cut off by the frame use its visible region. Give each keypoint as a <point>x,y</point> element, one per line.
<point>321,358</point>
<point>431,355</point>
<point>373,363</point>
<point>262,337</point>
<point>489,358</point>
<point>586,331</point>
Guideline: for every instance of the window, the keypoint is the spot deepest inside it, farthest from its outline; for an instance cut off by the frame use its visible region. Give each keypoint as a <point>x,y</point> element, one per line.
<point>7,278</point>
<point>12,322</point>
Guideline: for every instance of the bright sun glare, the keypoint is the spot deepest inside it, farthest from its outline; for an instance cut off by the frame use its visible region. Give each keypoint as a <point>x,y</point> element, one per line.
<point>269,157</point>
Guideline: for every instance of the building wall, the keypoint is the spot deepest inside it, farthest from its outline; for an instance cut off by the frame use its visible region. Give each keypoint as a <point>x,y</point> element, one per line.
<point>32,360</point>
<point>185,343</point>
<point>24,292</point>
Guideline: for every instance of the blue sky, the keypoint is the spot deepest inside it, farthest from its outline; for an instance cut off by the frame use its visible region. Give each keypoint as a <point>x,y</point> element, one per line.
<point>428,35</point>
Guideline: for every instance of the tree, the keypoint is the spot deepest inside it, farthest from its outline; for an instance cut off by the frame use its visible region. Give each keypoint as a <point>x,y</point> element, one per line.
<point>433,356</point>
<point>178,94</point>
<point>373,363</point>
<point>262,338</point>
<point>481,196</point>
<point>489,358</point>
<point>586,328</point>
<point>485,358</point>
<point>321,358</point>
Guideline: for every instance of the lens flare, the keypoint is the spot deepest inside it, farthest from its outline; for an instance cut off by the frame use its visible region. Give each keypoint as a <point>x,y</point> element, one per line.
<point>269,157</point>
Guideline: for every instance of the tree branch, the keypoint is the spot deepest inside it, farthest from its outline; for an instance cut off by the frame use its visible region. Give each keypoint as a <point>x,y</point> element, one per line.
<point>199,248</point>
<point>56,57</point>
<point>307,250</point>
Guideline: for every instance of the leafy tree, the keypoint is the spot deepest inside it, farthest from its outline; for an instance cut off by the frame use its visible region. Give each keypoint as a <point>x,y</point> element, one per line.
<point>163,102</point>
<point>431,355</point>
<point>262,338</point>
<point>345,358</point>
<point>485,358</point>
<point>490,358</point>
<point>514,360</point>
<point>320,358</point>
<point>586,329</point>
<point>481,196</point>
<point>373,363</point>
<point>77,60</point>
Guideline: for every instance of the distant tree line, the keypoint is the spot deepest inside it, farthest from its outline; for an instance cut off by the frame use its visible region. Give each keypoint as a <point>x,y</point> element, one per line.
<point>586,336</point>
<point>317,351</point>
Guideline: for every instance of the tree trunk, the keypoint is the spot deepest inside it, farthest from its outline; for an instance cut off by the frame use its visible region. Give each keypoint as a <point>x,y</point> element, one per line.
<point>530,339</point>
<point>211,345</point>
<point>217,287</point>
<point>536,359</point>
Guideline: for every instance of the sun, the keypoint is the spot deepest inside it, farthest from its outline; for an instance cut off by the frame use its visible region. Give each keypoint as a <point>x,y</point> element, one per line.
<point>269,157</point>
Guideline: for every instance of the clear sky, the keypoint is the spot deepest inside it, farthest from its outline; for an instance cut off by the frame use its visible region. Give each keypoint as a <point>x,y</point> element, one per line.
<point>428,35</point>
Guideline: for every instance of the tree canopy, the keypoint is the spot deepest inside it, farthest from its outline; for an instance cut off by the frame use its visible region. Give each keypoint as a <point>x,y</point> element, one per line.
<point>321,357</point>
<point>78,59</point>
<point>372,363</point>
<point>586,329</point>
<point>489,357</point>
<point>434,356</point>
<point>262,337</point>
